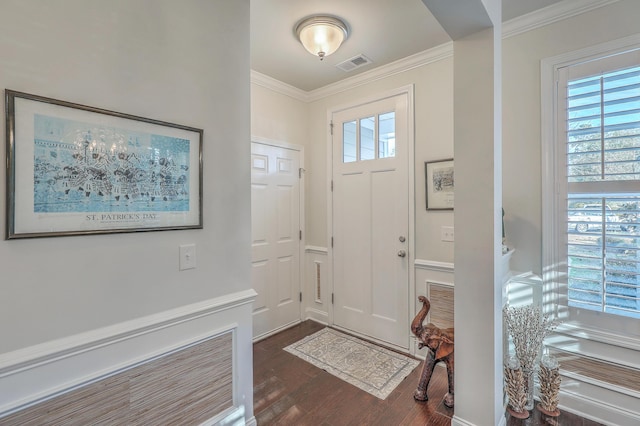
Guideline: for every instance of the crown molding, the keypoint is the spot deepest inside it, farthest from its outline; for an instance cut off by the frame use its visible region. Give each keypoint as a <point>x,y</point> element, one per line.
<point>278,86</point>
<point>550,14</point>
<point>419,59</point>
<point>414,61</point>
<point>539,18</point>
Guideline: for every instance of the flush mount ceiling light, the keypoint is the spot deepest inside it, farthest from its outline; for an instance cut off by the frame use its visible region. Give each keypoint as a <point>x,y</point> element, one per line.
<point>322,35</point>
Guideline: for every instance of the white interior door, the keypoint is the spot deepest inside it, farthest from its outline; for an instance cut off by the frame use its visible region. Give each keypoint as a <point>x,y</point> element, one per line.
<point>275,232</point>
<point>371,220</point>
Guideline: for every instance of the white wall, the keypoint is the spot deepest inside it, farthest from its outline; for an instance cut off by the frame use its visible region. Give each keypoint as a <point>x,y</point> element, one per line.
<point>283,118</point>
<point>522,191</point>
<point>433,94</point>
<point>278,117</point>
<point>478,278</point>
<point>521,162</point>
<point>434,130</point>
<point>521,116</point>
<point>302,119</point>
<point>166,60</point>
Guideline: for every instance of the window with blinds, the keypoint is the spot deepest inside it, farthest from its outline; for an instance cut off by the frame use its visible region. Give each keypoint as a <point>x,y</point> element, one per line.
<point>601,107</point>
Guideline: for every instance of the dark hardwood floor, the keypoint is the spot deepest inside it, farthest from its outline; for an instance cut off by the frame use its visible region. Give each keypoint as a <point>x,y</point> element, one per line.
<point>290,391</point>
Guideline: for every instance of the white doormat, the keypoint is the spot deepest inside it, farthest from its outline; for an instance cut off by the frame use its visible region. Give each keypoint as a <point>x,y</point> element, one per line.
<point>371,368</point>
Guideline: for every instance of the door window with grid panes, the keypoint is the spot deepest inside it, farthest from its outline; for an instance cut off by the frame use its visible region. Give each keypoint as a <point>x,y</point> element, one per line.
<point>369,138</point>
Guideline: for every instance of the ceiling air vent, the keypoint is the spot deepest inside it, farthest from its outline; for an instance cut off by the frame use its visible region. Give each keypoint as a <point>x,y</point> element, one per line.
<point>353,63</point>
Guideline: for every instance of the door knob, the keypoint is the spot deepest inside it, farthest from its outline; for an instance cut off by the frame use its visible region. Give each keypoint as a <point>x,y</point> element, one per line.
<point>402,253</point>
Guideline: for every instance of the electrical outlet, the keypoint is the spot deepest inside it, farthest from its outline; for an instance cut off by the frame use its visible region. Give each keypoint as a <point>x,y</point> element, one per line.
<point>187,256</point>
<point>446,233</point>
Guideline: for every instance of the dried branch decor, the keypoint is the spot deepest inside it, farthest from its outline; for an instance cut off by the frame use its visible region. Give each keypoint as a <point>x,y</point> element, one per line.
<point>549,378</point>
<point>528,327</point>
<point>515,390</point>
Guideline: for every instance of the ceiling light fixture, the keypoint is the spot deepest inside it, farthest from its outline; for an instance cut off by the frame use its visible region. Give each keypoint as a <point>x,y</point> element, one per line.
<point>322,35</point>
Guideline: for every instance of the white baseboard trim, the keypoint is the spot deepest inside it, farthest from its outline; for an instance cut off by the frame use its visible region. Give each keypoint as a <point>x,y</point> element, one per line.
<point>457,421</point>
<point>251,422</point>
<point>275,331</point>
<point>40,372</point>
<point>235,416</point>
<point>231,416</point>
<point>503,421</point>
<point>317,316</point>
<point>319,322</point>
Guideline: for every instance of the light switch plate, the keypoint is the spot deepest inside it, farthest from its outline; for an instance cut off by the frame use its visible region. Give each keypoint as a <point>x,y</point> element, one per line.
<point>187,256</point>
<point>446,233</point>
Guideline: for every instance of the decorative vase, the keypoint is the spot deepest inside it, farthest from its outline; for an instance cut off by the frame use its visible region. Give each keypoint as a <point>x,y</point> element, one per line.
<point>514,383</point>
<point>549,378</point>
<point>527,326</point>
<point>529,386</point>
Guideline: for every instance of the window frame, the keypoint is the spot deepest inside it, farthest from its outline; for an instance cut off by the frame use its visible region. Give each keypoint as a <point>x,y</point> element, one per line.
<point>597,326</point>
<point>358,146</point>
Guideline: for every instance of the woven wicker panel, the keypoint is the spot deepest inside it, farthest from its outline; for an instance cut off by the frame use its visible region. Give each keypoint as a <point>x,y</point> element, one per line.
<point>318,282</point>
<point>190,386</point>
<point>185,387</point>
<point>104,402</point>
<point>607,372</point>
<point>441,298</point>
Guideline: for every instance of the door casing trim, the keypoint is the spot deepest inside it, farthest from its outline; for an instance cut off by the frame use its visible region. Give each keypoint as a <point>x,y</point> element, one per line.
<point>301,212</point>
<point>408,91</point>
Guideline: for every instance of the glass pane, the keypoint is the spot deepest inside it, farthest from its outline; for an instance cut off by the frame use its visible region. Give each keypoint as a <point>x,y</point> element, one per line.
<point>604,253</point>
<point>387,135</point>
<point>349,142</point>
<point>367,138</point>
<point>603,127</point>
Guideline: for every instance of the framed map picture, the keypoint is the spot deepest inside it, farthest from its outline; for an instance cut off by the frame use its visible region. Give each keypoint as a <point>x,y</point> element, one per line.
<point>439,184</point>
<point>78,170</point>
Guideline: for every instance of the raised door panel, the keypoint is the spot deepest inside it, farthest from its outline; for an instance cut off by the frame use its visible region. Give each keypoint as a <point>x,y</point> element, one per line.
<point>276,222</point>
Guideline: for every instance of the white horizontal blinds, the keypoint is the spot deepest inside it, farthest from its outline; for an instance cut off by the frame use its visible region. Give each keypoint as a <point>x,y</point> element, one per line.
<point>603,127</point>
<point>603,119</point>
<point>604,254</point>
<point>602,106</point>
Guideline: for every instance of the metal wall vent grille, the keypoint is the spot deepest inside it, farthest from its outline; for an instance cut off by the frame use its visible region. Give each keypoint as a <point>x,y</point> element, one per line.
<point>353,63</point>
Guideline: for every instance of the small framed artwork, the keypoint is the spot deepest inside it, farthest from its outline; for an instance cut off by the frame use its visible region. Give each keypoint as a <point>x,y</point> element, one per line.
<point>439,184</point>
<point>77,170</point>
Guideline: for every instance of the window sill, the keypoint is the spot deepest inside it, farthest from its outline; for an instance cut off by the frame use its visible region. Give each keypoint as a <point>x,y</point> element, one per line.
<point>582,331</point>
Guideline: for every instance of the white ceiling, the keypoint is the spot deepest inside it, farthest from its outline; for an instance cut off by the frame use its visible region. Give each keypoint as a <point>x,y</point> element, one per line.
<point>382,30</point>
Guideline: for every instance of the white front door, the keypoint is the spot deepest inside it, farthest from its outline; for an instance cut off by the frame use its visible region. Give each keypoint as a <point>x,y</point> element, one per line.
<point>275,234</point>
<point>371,220</point>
